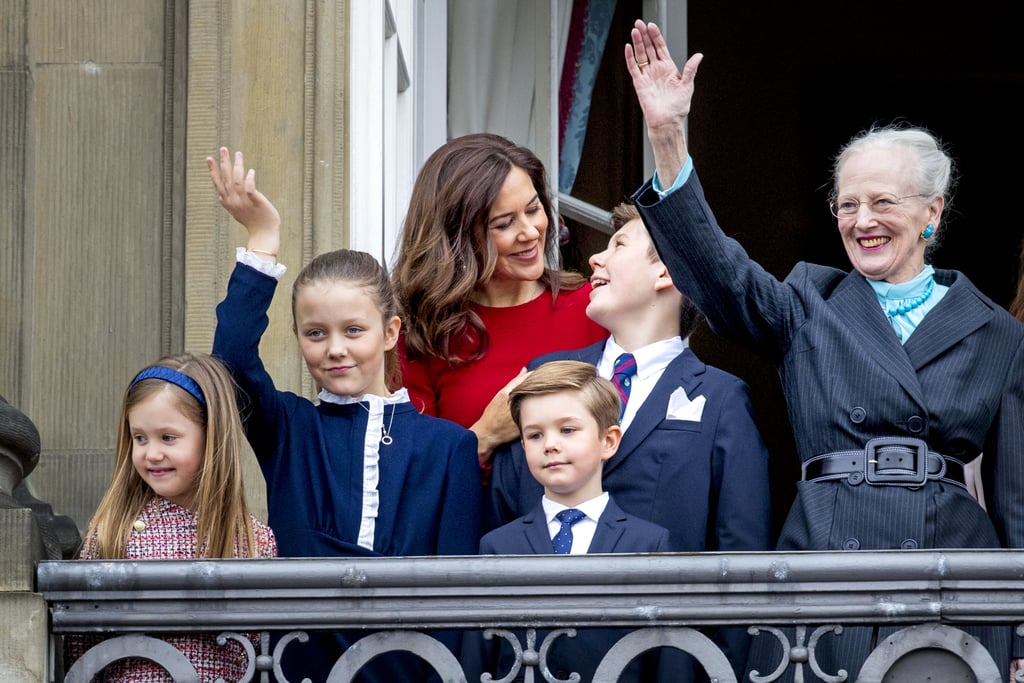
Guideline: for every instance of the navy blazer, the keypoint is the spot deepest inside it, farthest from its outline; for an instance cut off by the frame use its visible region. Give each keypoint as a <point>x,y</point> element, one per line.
<point>617,532</point>
<point>706,482</point>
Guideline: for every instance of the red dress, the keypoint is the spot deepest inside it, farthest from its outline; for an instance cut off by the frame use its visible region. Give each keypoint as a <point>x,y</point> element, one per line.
<point>517,334</point>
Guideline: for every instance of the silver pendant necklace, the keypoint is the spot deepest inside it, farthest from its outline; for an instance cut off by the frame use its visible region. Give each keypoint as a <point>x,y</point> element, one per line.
<point>385,432</point>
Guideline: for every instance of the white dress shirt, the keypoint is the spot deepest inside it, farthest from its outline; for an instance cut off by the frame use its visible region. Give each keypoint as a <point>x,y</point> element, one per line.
<point>583,530</point>
<point>651,361</point>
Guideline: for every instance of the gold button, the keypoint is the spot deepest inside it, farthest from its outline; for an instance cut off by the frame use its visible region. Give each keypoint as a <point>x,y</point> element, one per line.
<point>139,525</point>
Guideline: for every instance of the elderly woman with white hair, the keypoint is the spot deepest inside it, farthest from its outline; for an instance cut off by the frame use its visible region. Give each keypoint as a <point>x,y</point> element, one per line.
<point>896,374</point>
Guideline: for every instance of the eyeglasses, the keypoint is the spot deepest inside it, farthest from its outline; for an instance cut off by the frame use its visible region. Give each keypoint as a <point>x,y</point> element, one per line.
<point>847,207</point>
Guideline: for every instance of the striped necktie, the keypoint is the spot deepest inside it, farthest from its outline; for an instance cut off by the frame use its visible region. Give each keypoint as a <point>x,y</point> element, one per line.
<point>622,374</point>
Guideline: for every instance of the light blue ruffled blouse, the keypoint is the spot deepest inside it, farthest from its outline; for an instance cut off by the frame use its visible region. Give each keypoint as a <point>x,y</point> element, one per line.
<point>907,303</point>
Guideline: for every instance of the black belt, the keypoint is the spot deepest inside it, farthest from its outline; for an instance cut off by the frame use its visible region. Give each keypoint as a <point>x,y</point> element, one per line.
<point>886,461</point>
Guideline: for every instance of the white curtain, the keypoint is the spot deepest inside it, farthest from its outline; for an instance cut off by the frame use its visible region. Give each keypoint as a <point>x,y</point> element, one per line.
<point>491,52</point>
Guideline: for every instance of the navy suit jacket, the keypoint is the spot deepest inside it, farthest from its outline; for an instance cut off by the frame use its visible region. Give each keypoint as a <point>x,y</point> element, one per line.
<point>706,482</point>
<point>617,532</point>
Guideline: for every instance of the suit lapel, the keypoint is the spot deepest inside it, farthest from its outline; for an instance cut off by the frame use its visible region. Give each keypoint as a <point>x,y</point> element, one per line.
<point>684,371</point>
<point>855,302</point>
<point>609,529</point>
<point>961,312</point>
<point>535,528</point>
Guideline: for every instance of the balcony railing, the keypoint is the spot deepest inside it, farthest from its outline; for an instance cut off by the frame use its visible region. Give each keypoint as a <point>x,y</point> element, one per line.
<point>796,599</point>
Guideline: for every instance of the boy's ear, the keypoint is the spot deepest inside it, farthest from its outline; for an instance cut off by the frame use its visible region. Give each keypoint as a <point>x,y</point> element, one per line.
<point>610,442</point>
<point>664,280</point>
<point>391,329</point>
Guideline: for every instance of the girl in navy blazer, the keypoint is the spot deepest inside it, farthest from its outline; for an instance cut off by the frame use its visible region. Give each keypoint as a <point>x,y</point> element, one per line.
<point>361,472</point>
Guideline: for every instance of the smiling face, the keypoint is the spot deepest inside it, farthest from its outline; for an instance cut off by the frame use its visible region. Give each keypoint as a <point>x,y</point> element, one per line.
<point>167,446</point>
<point>343,337</point>
<point>627,277</point>
<point>885,246</point>
<point>517,224</point>
<point>565,448</point>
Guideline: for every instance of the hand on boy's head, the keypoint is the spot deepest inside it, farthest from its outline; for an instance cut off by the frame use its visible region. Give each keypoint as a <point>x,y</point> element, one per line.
<point>495,425</point>
<point>236,191</point>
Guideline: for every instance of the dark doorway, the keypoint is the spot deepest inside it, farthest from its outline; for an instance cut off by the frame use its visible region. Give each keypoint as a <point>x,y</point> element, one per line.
<point>782,86</point>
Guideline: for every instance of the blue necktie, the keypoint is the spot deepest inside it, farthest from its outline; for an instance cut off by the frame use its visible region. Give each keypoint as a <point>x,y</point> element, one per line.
<point>562,542</point>
<point>622,372</point>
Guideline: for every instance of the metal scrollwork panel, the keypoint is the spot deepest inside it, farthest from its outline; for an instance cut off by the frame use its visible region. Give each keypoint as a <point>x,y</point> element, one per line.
<point>363,650</point>
<point>279,651</point>
<point>702,648</point>
<point>922,652</point>
<point>162,653</point>
<point>530,657</point>
<point>953,646</point>
<point>799,653</point>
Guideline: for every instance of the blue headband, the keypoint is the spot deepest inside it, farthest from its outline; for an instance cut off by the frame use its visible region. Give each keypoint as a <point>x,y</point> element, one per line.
<point>176,378</point>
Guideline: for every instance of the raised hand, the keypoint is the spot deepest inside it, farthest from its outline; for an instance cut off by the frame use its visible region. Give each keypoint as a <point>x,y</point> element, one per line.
<point>236,191</point>
<point>664,94</point>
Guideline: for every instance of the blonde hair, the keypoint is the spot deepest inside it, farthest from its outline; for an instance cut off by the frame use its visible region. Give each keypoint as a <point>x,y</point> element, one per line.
<point>596,393</point>
<point>224,528</point>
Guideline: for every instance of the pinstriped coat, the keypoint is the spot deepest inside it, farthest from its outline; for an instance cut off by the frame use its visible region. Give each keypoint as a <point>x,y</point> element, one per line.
<point>958,384</point>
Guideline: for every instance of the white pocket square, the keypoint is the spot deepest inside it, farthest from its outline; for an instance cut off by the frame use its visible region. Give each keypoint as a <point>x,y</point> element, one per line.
<point>680,407</point>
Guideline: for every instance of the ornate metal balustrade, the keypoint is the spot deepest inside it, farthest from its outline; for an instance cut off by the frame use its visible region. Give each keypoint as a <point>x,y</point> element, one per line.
<point>796,599</point>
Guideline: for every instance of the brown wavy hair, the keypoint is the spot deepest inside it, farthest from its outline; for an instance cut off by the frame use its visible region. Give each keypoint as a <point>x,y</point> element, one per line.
<point>223,525</point>
<point>446,252</point>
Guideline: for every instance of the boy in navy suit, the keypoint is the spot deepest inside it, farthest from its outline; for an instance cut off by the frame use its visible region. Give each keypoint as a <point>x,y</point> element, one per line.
<point>691,457</point>
<point>568,420</point>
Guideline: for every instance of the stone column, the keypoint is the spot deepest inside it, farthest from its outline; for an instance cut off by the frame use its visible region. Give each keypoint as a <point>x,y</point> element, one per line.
<point>23,613</point>
<point>25,619</point>
<point>269,79</point>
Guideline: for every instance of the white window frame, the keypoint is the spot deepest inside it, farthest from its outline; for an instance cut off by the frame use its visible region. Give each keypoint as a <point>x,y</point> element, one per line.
<point>670,15</point>
<point>397,94</point>
<point>397,98</point>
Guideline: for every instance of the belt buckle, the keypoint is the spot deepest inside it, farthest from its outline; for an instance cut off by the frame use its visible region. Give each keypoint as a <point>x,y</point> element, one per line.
<point>916,478</point>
